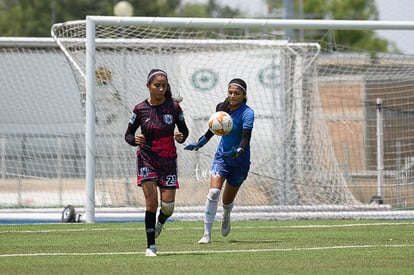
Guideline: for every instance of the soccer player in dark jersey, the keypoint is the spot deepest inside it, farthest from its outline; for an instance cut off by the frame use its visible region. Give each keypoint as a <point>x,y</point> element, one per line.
<point>156,163</point>
<point>231,162</point>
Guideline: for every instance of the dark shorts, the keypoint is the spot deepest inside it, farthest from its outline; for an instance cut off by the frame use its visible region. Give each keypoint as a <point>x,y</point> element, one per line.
<point>163,171</point>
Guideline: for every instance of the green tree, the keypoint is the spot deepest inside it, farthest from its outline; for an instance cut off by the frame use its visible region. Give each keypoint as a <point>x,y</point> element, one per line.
<point>193,10</point>
<point>163,8</point>
<point>211,9</point>
<point>35,17</point>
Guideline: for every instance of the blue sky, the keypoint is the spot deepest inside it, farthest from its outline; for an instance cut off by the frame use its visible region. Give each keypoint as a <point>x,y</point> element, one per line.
<point>398,10</point>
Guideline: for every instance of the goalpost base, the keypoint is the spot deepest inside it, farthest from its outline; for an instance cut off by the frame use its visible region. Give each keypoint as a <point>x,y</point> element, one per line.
<point>377,200</point>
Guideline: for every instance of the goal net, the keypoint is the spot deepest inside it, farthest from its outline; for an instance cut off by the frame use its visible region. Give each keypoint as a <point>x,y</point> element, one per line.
<point>314,142</point>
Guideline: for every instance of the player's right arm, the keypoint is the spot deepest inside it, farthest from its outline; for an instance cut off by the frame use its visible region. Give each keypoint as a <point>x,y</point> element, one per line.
<point>130,131</point>
<point>201,141</point>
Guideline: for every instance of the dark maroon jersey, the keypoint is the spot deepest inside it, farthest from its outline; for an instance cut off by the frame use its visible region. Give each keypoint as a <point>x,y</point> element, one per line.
<point>157,124</point>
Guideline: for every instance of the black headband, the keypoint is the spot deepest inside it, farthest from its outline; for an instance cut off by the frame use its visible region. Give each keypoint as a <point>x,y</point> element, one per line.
<point>238,82</point>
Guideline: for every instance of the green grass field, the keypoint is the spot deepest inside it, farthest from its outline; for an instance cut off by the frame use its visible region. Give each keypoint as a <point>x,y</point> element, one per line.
<point>279,247</point>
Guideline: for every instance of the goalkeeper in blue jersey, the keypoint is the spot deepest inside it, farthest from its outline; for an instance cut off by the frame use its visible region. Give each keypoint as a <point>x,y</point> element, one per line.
<point>231,162</point>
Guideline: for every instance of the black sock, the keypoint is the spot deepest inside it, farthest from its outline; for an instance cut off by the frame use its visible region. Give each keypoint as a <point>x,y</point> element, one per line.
<point>162,217</point>
<point>150,227</point>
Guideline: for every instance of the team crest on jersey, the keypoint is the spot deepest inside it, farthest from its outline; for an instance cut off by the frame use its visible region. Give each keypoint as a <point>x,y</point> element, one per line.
<point>168,119</point>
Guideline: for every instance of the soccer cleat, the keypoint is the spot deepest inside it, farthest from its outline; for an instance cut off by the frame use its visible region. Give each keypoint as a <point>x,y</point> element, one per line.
<point>151,251</point>
<point>225,225</point>
<point>158,229</point>
<point>205,239</point>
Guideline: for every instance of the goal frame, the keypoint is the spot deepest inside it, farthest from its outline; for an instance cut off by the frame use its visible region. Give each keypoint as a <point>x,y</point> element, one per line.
<point>92,21</point>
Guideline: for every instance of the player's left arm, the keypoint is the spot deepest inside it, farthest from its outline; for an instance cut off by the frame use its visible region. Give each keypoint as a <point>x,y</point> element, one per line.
<point>237,152</point>
<point>248,119</point>
<point>245,141</point>
<point>183,131</point>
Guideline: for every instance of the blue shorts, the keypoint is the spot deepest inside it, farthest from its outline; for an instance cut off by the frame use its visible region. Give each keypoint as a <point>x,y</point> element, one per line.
<point>235,175</point>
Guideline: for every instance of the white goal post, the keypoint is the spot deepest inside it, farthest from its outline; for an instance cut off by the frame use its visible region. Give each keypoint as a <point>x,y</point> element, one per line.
<point>303,156</point>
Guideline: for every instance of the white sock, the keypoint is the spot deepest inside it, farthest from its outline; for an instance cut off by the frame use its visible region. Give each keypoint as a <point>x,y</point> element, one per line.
<point>211,209</point>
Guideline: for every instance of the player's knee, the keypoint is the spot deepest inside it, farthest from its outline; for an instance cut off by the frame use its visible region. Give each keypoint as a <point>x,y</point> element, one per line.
<point>213,194</point>
<point>167,208</point>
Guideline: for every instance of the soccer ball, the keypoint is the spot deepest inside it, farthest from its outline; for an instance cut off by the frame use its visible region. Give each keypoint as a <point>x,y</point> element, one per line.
<point>220,123</point>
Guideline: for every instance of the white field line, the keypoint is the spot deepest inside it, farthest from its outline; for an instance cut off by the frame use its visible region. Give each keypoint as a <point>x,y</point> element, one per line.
<point>211,252</point>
